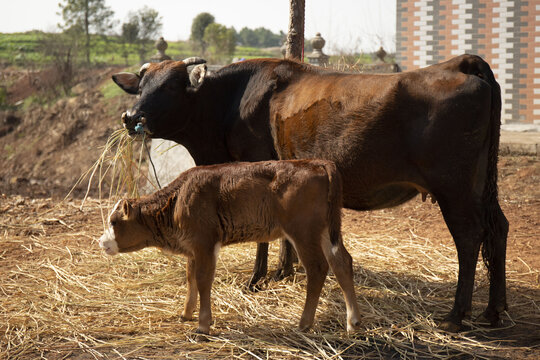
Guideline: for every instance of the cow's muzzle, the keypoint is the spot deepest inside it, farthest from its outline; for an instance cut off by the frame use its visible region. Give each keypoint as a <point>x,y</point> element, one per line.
<point>136,125</point>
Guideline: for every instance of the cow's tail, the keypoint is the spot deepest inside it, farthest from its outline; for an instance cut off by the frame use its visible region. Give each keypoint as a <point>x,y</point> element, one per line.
<point>495,222</point>
<point>335,202</point>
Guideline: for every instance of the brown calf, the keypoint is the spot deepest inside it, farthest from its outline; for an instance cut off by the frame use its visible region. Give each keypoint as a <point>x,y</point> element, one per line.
<point>208,207</point>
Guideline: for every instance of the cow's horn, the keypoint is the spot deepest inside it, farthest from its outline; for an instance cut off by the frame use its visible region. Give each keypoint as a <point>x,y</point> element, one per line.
<point>143,69</point>
<point>193,61</point>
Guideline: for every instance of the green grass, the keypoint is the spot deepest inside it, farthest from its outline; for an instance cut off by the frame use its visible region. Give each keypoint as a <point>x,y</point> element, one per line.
<point>110,90</point>
<point>22,49</point>
<point>251,52</point>
<point>25,49</point>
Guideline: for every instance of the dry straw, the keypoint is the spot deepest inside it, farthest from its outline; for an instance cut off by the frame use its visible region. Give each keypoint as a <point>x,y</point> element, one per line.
<point>119,168</point>
<point>61,297</point>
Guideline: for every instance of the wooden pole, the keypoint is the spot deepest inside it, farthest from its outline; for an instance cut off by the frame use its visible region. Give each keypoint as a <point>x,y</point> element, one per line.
<point>295,36</point>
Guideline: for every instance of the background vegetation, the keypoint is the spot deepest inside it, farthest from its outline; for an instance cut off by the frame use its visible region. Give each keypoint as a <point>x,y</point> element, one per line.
<point>90,38</point>
<point>25,50</point>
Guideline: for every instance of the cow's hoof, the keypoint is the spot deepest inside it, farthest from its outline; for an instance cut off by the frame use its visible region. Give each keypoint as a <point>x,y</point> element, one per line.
<point>281,273</point>
<point>449,326</point>
<point>488,318</point>
<point>253,287</point>
<point>254,283</point>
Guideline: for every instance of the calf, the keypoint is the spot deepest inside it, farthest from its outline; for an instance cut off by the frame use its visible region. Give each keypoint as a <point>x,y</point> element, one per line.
<point>208,207</point>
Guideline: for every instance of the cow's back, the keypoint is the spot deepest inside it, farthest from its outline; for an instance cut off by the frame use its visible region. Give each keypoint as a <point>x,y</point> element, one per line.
<point>382,131</point>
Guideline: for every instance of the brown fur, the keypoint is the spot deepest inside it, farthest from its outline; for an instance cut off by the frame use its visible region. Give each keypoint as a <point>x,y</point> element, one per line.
<point>220,205</point>
<point>434,130</point>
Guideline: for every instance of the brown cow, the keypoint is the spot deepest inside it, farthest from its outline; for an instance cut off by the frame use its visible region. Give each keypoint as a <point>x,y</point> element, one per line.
<point>208,207</point>
<point>433,130</point>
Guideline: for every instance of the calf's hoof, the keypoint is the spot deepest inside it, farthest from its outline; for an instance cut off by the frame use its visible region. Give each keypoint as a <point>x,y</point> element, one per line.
<point>200,336</point>
<point>186,317</point>
<point>353,326</point>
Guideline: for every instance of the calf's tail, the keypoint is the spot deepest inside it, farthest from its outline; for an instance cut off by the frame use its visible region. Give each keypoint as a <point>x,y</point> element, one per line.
<point>335,202</point>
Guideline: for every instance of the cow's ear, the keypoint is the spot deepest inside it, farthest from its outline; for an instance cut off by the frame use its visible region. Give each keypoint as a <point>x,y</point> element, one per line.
<point>197,75</point>
<point>129,82</point>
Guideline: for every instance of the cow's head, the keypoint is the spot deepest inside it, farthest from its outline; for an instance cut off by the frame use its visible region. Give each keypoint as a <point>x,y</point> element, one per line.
<point>163,95</point>
<point>125,232</point>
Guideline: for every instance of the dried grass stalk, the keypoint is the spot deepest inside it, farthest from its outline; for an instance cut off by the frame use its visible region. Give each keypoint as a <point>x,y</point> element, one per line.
<point>60,296</point>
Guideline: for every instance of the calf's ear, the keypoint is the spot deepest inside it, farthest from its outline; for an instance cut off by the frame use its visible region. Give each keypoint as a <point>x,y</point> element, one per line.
<point>128,82</point>
<point>127,209</point>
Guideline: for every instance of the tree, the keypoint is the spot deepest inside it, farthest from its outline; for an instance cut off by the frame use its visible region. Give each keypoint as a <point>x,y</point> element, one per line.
<point>143,27</point>
<point>267,38</point>
<point>62,51</point>
<point>295,36</point>
<point>198,27</point>
<point>149,24</point>
<point>247,37</point>
<point>130,31</point>
<point>220,38</point>
<point>86,16</point>
<point>260,37</point>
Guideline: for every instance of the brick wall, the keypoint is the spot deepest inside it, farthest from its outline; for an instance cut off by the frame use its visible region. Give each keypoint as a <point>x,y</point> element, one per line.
<point>506,33</point>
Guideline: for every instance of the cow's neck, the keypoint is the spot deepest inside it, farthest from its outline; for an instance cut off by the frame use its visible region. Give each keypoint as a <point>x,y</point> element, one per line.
<point>213,111</point>
<point>204,131</point>
<point>204,142</point>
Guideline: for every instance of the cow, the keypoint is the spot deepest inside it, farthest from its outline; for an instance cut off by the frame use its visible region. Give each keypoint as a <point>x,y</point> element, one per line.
<point>211,206</point>
<point>392,136</point>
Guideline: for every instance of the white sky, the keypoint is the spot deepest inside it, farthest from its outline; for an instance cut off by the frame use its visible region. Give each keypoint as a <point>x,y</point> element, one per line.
<point>347,25</point>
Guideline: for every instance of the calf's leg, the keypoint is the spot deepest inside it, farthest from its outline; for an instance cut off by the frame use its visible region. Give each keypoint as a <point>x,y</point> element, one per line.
<point>341,264</point>
<point>205,267</point>
<point>312,257</point>
<point>191,296</point>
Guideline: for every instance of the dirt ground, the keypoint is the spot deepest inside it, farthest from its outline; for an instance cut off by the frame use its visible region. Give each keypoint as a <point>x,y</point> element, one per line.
<point>416,223</point>
<point>46,149</point>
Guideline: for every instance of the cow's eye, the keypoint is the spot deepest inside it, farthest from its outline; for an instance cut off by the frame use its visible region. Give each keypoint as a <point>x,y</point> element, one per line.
<point>113,222</point>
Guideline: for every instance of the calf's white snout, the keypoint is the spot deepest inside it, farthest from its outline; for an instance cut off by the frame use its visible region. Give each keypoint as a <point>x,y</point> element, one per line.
<point>108,242</point>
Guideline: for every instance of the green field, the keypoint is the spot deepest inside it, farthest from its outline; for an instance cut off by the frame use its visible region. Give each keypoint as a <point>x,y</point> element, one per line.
<point>30,48</point>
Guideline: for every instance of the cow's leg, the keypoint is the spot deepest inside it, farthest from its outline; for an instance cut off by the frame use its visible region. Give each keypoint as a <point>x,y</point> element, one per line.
<point>191,296</point>
<point>312,257</point>
<point>496,258</point>
<point>205,266</point>
<point>260,268</point>
<point>287,256</point>
<point>341,264</point>
<point>463,216</point>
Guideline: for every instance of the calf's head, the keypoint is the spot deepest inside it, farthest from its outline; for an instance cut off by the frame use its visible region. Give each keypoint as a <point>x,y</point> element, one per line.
<point>125,232</point>
<point>163,90</point>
